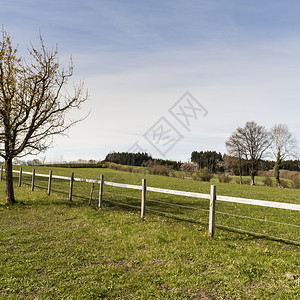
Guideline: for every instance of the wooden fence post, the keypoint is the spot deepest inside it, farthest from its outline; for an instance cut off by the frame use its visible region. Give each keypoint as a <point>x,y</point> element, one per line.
<point>20,177</point>
<point>49,182</point>
<point>32,182</point>
<point>143,204</point>
<point>91,196</point>
<point>212,207</point>
<point>71,186</point>
<point>101,192</point>
<point>1,174</point>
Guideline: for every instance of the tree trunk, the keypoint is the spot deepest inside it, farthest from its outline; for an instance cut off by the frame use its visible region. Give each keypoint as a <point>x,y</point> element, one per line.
<point>277,168</point>
<point>252,178</point>
<point>240,169</point>
<point>9,187</point>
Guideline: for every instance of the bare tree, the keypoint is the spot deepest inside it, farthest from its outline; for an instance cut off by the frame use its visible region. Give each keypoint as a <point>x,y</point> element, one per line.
<point>284,145</point>
<point>189,167</point>
<point>235,149</point>
<point>252,142</point>
<point>33,102</point>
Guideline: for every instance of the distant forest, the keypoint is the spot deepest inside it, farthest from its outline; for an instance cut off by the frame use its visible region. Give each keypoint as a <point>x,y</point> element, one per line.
<point>140,159</point>
<point>215,162</point>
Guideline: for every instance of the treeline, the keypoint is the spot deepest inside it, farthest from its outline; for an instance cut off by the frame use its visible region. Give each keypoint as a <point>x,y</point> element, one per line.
<point>214,161</point>
<point>231,165</point>
<point>127,158</point>
<point>140,159</point>
<point>211,160</point>
<point>291,165</point>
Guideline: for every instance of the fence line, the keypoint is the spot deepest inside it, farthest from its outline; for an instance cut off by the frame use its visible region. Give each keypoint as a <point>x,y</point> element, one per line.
<point>178,205</point>
<point>212,197</point>
<point>33,178</point>
<point>49,182</point>
<point>20,177</point>
<point>212,211</point>
<point>180,193</point>
<point>263,203</point>
<point>126,196</point>
<point>143,202</point>
<point>256,219</point>
<point>101,192</point>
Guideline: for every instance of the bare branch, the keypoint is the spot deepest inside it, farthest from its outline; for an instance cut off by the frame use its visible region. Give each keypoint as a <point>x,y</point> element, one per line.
<point>34,101</point>
<point>251,143</point>
<point>284,142</point>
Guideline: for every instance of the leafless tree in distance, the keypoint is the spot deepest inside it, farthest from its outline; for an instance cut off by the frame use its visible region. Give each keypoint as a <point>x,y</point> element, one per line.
<point>251,143</point>
<point>284,145</point>
<point>235,149</point>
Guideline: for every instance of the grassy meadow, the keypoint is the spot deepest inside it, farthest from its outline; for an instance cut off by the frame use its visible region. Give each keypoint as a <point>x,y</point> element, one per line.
<point>55,249</point>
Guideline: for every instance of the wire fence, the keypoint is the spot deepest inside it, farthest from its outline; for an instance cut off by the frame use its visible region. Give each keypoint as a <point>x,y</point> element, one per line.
<point>276,221</point>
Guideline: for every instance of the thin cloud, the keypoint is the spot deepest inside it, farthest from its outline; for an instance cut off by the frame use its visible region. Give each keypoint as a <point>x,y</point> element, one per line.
<point>240,59</point>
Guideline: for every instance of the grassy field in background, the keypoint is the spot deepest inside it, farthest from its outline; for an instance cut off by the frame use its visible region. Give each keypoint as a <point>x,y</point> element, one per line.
<point>52,248</point>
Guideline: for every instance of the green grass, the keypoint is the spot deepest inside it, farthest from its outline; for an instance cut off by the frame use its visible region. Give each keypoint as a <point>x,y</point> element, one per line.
<point>232,189</point>
<point>124,196</point>
<point>53,249</point>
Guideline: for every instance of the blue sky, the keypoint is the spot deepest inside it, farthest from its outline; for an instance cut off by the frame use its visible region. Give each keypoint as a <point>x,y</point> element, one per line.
<point>239,59</point>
